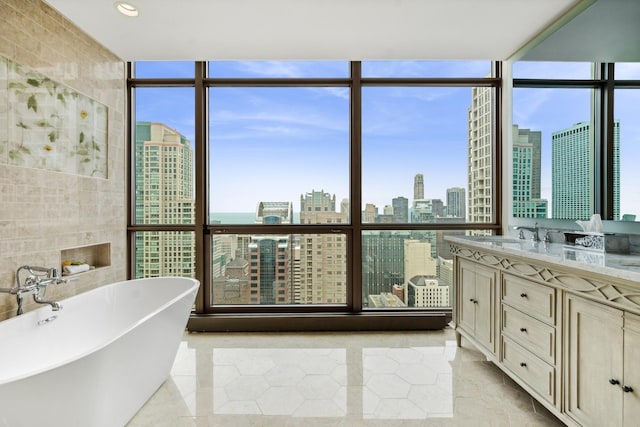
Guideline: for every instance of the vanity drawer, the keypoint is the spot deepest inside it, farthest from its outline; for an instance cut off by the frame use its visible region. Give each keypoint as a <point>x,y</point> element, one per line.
<point>532,334</point>
<point>532,298</point>
<point>540,376</point>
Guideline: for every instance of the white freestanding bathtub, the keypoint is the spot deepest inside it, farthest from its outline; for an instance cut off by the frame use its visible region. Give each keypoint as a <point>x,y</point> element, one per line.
<point>99,360</point>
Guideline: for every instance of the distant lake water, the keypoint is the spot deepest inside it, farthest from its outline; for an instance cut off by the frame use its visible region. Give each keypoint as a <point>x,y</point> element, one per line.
<point>241,217</point>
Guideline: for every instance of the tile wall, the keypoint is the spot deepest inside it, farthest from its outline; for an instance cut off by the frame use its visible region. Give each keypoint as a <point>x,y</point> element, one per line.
<point>44,212</point>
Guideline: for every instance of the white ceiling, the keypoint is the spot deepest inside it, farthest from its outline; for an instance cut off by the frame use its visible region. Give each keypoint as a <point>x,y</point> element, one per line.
<point>320,29</point>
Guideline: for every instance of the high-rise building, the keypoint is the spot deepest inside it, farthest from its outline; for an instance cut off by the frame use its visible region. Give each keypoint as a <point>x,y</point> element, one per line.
<point>164,195</point>
<point>572,179</point>
<point>271,257</point>
<point>480,157</point>
<point>370,213</point>
<point>271,269</point>
<point>323,268</point>
<point>427,210</point>
<point>427,291</point>
<point>456,204</point>
<point>382,261</point>
<point>344,208</point>
<point>445,271</point>
<point>387,216</point>
<point>400,209</point>
<point>418,187</point>
<point>274,213</point>
<point>526,163</point>
<point>422,211</point>
<point>417,258</point>
<point>224,248</point>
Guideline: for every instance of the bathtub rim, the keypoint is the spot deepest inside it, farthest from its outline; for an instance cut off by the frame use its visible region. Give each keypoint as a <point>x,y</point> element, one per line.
<point>51,366</point>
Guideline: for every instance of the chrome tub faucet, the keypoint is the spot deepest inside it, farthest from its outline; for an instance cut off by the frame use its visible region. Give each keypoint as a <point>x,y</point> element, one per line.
<point>35,284</point>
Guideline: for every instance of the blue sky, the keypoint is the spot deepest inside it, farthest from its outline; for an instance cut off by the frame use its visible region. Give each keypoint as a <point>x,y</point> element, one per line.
<point>274,144</point>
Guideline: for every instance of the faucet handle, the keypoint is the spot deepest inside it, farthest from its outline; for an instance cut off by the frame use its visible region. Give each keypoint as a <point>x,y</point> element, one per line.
<point>31,281</point>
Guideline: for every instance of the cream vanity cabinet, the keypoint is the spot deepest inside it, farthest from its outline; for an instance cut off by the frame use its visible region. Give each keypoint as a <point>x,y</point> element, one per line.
<point>476,299</point>
<point>603,364</point>
<point>528,331</point>
<point>567,331</point>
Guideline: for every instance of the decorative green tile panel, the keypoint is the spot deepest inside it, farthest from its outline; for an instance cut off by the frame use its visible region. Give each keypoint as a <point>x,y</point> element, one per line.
<point>47,125</point>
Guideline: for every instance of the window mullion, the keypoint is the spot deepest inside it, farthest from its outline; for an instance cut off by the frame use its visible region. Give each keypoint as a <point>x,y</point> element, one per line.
<point>202,241</point>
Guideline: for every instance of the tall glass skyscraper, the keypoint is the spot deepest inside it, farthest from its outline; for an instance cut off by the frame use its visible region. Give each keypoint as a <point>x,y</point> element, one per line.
<point>383,260</point>
<point>270,269</point>
<point>526,155</point>
<point>164,195</point>
<point>572,179</point>
<point>418,187</point>
<point>456,206</point>
<point>400,209</point>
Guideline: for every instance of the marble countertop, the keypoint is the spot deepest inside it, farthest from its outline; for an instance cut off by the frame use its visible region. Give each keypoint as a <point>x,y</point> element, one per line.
<point>625,267</point>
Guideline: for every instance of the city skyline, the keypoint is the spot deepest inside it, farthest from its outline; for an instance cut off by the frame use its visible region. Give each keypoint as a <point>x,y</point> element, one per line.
<point>521,136</point>
<point>402,268</point>
<point>425,131</point>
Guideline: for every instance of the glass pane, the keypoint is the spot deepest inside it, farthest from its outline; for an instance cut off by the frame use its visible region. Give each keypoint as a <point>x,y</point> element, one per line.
<point>627,137</point>
<point>271,148</point>
<point>627,71</point>
<point>552,70</point>
<point>426,68</point>
<point>272,269</point>
<point>164,69</point>
<point>407,269</point>
<point>427,154</point>
<point>164,161</point>
<point>279,69</point>
<point>561,174</point>
<point>165,253</point>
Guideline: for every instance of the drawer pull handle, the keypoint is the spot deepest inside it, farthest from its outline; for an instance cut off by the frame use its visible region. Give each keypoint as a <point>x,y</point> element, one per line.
<point>614,381</point>
<point>523,295</point>
<point>475,301</point>
<point>523,329</point>
<point>524,365</point>
<point>627,389</point>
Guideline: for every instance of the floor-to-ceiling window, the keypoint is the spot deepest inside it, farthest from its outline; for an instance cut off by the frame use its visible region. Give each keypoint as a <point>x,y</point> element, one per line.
<point>312,187</point>
<point>574,134</point>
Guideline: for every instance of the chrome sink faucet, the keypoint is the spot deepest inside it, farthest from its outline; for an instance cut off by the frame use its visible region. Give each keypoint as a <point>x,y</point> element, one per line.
<point>534,232</point>
<point>35,284</point>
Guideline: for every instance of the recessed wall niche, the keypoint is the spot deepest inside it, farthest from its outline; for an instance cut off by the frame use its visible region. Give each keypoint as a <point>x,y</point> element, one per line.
<point>47,125</point>
<point>96,256</point>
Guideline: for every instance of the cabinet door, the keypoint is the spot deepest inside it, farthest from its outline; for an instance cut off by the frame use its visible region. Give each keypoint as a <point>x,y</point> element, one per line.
<point>593,372</point>
<point>485,306</point>
<point>631,369</point>
<point>467,296</point>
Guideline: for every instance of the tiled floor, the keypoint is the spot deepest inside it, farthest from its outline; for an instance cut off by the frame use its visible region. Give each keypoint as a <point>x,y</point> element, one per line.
<point>337,379</point>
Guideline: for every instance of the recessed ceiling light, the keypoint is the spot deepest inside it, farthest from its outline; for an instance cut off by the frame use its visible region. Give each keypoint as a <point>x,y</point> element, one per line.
<point>126,9</point>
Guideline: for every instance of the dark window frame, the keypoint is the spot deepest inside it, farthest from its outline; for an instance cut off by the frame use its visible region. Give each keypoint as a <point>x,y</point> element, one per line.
<point>325,316</point>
